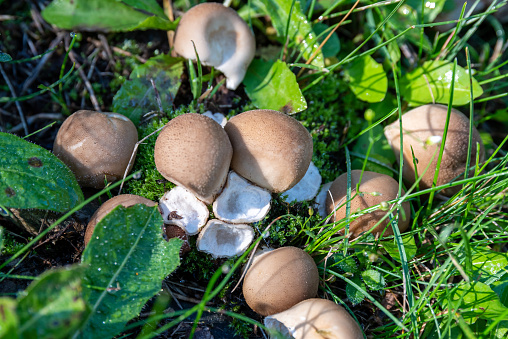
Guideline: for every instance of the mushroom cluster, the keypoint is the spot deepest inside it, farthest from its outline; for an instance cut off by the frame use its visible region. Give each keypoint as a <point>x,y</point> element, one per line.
<point>235,169</point>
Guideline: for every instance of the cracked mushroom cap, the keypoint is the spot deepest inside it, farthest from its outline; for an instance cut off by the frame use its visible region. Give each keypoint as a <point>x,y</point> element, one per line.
<point>194,151</point>
<point>279,279</point>
<point>126,200</point>
<point>270,148</point>
<point>221,37</point>
<point>96,146</point>
<point>374,189</point>
<point>315,319</point>
<point>224,240</point>
<point>422,131</point>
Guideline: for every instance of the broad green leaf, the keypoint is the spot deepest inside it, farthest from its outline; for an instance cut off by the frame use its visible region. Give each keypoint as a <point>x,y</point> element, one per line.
<point>8,319</point>
<point>346,264</point>
<point>52,306</point>
<point>4,57</point>
<point>271,85</point>
<point>367,79</point>
<point>137,96</point>
<point>353,294</point>
<point>300,30</point>
<point>332,46</point>
<point>501,330</point>
<point>416,91</point>
<point>32,177</point>
<point>431,9</point>
<point>409,247</point>
<point>487,263</point>
<point>405,17</point>
<point>127,259</point>
<point>373,279</point>
<point>107,15</point>
<point>474,300</point>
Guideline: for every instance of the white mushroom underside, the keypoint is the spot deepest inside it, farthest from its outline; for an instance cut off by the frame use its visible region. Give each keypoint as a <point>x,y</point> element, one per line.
<point>321,199</point>
<point>223,240</point>
<point>217,117</point>
<point>307,188</point>
<point>241,201</point>
<point>180,207</point>
<point>283,331</point>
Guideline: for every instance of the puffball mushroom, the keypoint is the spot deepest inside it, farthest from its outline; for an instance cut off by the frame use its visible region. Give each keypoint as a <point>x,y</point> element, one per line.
<point>279,279</point>
<point>315,319</point>
<point>374,189</point>
<point>221,37</point>
<point>224,240</point>
<point>422,132</point>
<point>270,148</point>
<point>96,146</point>
<point>126,200</point>
<point>194,151</point>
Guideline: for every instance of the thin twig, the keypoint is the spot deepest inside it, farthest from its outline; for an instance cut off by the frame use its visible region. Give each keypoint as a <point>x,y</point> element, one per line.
<point>31,119</point>
<point>168,8</point>
<point>88,86</point>
<point>18,105</point>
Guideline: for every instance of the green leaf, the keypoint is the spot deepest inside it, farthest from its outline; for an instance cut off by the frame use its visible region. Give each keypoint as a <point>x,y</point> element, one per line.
<point>367,79</point>
<point>380,151</point>
<point>353,294</point>
<point>300,31</point>
<point>487,263</point>
<point>373,279</point>
<point>137,97</point>
<point>32,177</point>
<point>346,264</point>
<point>405,17</point>
<point>53,306</point>
<point>475,300</point>
<point>4,57</point>
<point>127,260</point>
<point>8,319</point>
<point>1,237</point>
<point>409,247</point>
<point>431,8</point>
<point>416,91</point>
<point>332,46</point>
<point>107,15</point>
<point>271,85</point>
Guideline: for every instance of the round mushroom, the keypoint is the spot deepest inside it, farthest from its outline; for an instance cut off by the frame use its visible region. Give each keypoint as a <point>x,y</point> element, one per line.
<point>374,189</point>
<point>270,148</point>
<point>422,132</point>
<point>315,319</point>
<point>126,200</point>
<point>96,146</point>
<point>221,37</point>
<point>194,151</point>
<point>279,279</point>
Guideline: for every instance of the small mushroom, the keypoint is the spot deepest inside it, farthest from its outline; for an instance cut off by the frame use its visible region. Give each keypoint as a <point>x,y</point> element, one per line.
<point>181,208</point>
<point>241,201</point>
<point>374,189</point>
<point>221,37</point>
<point>223,240</point>
<point>194,151</point>
<point>279,279</point>
<point>96,146</point>
<point>270,148</point>
<point>315,319</point>
<point>422,131</point>
<point>126,200</point>
<point>307,188</point>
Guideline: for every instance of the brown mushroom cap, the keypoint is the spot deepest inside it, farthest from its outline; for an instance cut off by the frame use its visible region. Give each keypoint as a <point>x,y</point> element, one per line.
<point>193,151</point>
<point>96,146</point>
<point>221,37</point>
<point>374,188</point>
<point>126,200</point>
<point>423,129</point>
<point>315,319</point>
<point>270,148</point>
<point>279,279</point>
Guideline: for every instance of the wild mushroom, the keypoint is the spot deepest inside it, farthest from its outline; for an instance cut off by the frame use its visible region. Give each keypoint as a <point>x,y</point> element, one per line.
<point>181,208</point>
<point>222,39</point>
<point>307,188</point>
<point>321,199</point>
<point>126,200</point>
<point>241,201</point>
<point>194,151</point>
<point>217,117</point>
<point>279,279</point>
<point>374,189</point>
<point>270,149</point>
<point>422,131</point>
<point>96,146</point>
<point>315,319</point>
<point>223,240</point>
